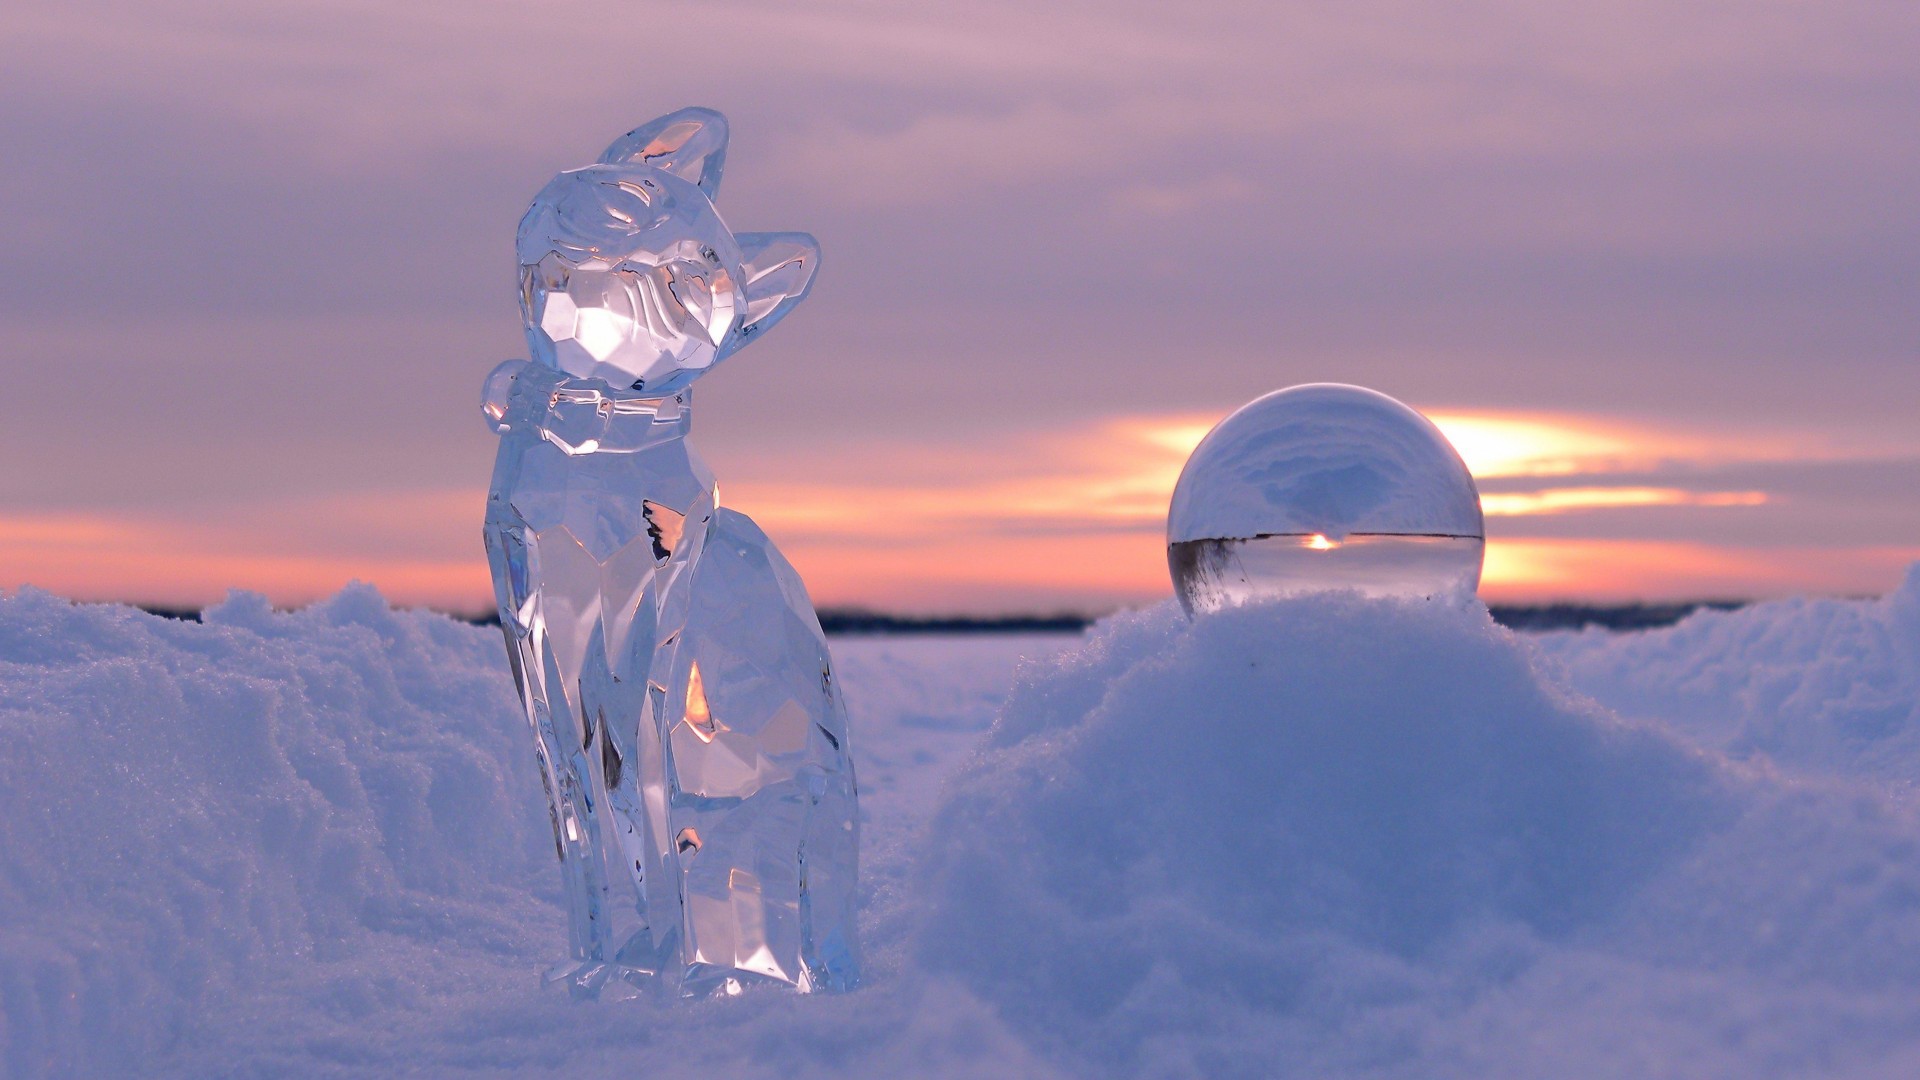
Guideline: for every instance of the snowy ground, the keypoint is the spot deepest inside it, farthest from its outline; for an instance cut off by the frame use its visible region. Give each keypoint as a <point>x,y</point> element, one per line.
<point>1320,838</point>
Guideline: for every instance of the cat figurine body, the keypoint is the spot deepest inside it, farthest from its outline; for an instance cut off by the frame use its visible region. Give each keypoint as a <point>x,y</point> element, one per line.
<point>690,734</point>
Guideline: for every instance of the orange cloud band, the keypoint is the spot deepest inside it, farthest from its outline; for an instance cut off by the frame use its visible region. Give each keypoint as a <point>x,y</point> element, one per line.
<point>1066,519</point>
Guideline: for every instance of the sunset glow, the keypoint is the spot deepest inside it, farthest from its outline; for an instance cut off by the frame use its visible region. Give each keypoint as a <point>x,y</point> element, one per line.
<point>1654,288</point>
<point>1567,500</point>
<point>1052,520</point>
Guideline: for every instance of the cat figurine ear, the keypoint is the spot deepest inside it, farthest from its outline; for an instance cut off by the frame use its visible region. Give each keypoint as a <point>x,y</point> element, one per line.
<point>690,144</point>
<point>779,268</point>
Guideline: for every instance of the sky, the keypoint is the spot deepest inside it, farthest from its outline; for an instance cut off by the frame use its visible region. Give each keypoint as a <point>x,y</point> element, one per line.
<point>1653,267</point>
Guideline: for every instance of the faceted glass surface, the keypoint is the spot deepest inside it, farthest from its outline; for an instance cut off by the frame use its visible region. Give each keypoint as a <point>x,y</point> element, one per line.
<point>1319,487</point>
<point>689,731</point>
<point>627,273</point>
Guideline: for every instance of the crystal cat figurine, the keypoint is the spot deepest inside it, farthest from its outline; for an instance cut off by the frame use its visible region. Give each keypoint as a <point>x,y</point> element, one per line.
<point>690,734</point>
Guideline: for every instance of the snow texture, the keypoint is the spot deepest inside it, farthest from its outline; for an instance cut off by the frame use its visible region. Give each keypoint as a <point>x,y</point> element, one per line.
<point>1324,836</point>
<point>1829,687</point>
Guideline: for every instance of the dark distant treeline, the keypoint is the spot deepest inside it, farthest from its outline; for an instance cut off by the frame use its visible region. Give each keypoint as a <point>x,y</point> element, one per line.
<point>1605,616</point>
<point>873,622</point>
<point>855,621</point>
<point>1516,616</point>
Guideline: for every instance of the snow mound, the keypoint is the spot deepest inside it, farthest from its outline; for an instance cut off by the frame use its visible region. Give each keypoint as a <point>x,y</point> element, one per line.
<point>1318,837</point>
<point>1310,837</point>
<point>193,813</point>
<point>313,843</point>
<point>1825,687</point>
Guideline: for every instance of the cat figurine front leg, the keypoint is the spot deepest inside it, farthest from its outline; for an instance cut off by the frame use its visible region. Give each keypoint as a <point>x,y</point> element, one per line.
<point>763,806</point>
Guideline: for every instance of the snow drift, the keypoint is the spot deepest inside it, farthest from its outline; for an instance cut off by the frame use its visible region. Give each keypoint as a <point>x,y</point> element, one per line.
<point>1324,836</point>
<point>198,818</point>
<point>1830,687</point>
<point>1320,836</point>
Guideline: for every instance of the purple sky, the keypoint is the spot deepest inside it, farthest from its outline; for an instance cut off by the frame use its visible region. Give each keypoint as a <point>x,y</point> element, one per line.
<point>261,259</point>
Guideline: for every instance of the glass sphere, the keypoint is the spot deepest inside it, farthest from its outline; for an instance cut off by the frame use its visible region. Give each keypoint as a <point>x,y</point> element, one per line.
<point>1322,487</point>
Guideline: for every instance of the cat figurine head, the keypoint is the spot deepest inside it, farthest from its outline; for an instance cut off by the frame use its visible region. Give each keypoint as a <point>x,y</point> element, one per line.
<point>628,275</point>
